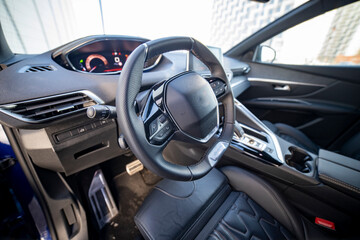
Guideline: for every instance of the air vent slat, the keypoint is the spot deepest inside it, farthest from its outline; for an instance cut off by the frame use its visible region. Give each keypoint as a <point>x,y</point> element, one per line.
<point>47,104</point>
<point>48,108</point>
<point>45,68</point>
<point>60,108</point>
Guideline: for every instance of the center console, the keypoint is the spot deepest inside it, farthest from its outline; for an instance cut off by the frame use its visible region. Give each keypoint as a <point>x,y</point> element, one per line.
<point>326,185</point>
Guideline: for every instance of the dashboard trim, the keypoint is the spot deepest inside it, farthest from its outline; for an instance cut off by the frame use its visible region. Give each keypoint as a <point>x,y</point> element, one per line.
<point>283,82</point>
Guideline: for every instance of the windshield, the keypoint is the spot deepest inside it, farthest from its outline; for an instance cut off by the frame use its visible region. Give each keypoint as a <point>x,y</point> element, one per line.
<point>39,25</point>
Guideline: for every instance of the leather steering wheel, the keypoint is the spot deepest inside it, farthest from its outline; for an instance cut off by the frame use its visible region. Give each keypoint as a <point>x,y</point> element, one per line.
<point>184,105</point>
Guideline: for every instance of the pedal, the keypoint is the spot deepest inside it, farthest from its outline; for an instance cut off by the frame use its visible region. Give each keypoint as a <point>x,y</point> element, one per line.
<point>134,167</point>
<point>101,200</point>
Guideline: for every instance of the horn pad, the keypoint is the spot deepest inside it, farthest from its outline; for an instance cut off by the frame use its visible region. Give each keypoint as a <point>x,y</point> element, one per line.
<point>193,105</point>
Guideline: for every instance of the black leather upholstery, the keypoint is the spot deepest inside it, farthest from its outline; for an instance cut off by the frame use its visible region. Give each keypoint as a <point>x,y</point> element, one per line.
<point>238,206</point>
<point>293,135</point>
<point>178,209</point>
<point>246,219</point>
<point>351,148</point>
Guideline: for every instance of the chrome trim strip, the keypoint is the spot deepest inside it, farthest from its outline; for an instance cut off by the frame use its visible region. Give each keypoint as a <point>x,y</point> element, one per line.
<point>146,50</point>
<point>285,100</point>
<point>4,108</point>
<point>283,82</point>
<point>255,120</point>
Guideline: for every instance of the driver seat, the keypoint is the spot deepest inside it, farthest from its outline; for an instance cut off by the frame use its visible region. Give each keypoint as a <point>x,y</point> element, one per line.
<point>227,204</point>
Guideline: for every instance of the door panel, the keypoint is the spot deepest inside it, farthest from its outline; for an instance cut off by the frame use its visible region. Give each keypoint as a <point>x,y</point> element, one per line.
<point>322,107</point>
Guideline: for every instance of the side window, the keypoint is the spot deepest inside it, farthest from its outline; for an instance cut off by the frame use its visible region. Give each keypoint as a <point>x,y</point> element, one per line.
<point>329,39</point>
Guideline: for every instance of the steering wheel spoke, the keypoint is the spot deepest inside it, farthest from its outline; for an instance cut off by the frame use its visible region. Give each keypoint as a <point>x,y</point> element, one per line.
<point>158,125</point>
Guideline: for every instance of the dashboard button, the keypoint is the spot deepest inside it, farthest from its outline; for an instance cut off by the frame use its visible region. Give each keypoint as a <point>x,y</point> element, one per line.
<point>81,129</point>
<point>103,122</point>
<point>88,127</point>
<point>62,136</point>
<point>74,132</point>
<point>269,150</point>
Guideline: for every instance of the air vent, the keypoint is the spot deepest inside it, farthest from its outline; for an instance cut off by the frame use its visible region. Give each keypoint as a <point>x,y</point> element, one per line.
<point>38,68</point>
<point>49,108</point>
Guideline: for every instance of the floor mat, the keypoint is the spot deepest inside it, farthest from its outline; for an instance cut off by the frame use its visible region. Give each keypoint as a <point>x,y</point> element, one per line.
<point>130,192</point>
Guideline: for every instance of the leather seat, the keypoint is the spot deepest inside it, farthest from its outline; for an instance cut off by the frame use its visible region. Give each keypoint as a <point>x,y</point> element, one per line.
<point>351,148</point>
<point>227,204</point>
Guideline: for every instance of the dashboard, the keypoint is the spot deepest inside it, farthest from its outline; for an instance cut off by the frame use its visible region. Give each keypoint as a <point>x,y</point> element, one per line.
<point>45,97</point>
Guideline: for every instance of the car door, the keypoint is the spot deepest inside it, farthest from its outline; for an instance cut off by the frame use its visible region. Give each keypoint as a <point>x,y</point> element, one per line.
<point>307,75</point>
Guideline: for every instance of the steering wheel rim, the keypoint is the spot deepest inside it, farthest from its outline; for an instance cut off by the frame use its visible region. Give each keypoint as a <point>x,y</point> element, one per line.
<point>133,128</point>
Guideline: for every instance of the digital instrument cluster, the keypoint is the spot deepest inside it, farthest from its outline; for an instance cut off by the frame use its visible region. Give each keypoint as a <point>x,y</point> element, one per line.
<point>106,56</point>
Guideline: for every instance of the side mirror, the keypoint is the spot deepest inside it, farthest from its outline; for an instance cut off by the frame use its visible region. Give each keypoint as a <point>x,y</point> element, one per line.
<point>265,54</point>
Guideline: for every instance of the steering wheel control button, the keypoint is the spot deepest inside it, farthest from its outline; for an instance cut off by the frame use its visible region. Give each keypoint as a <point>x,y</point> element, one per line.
<point>153,127</point>
<point>162,118</point>
<point>217,86</point>
<point>163,133</point>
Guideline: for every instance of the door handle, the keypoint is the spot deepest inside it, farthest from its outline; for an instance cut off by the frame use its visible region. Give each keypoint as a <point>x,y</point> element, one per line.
<point>282,88</point>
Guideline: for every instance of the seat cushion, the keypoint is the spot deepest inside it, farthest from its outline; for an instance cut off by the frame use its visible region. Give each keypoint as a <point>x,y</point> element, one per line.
<point>293,135</point>
<point>233,201</point>
<point>175,210</point>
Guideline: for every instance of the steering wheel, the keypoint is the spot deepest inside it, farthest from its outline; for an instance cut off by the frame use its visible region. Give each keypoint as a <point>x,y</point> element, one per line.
<point>184,105</point>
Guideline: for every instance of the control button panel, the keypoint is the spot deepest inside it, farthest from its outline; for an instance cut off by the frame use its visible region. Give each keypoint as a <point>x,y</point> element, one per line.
<point>253,142</point>
<point>218,86</point>
<point>66,135</point>
<point>160,129</point>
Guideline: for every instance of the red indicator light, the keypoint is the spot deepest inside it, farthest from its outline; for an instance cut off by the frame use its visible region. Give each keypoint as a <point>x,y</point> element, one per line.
<point>325,223</point>
<point>113,70</point>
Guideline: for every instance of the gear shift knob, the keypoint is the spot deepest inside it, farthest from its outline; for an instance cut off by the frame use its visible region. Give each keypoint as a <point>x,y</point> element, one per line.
<point>239,131</point>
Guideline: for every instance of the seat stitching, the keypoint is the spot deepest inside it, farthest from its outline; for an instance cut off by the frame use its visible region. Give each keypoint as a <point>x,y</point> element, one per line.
<point>226,229</point>
<point>234,229</point>
<point>273,195</point>
<point>341,183</point>
<point>213,235</point>
<point>219,233</point>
